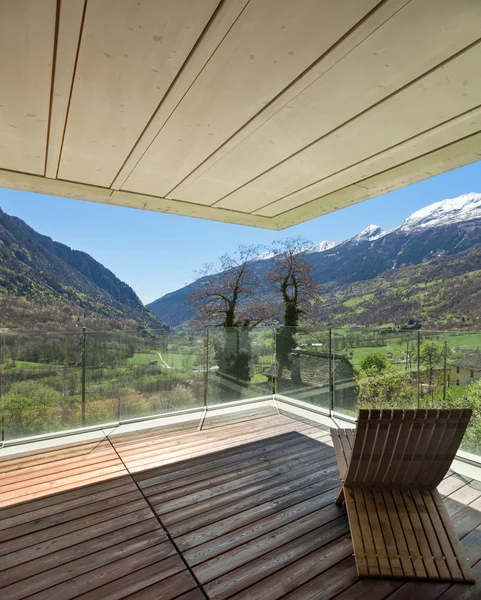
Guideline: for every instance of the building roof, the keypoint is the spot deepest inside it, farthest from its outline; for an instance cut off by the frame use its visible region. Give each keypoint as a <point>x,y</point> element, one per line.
<point>314,367</point>
<point>262,112</point>
<point>472,362</point>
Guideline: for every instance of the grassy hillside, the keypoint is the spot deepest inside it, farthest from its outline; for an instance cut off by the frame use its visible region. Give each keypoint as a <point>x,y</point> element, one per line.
<point>47,286</point>
<point>444,292</point>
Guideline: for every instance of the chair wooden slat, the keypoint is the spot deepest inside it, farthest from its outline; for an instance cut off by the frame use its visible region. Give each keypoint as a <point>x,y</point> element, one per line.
<point>357,538</point>
<point>339,452</point>
<point>342,440</point>
<point>369,477</point>
<point>398,532</point>
<point>370,434</point>
<point>411,477</point>
<point>457,550</point>
<point>357,446</point>
<point>377,534</point>
<point>388,534</point>
<point>437,435</point>
<point>399,525</point>
<point>437,553</point>
<point>399,450</point>
<point>437,521</point>
<point>452,438</point>
<point>366,532</point>
<point>410,536</point>
<point>421,538</point>
<point>390,443</point>
<point>411,449</point>
<point>347,439</point>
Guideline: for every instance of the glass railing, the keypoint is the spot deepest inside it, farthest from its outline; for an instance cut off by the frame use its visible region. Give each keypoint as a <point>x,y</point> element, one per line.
<point>41,383</point>
<point>240,362</point>
<point>305,367</point>
<point>160,372</point>
<point>50,383</point>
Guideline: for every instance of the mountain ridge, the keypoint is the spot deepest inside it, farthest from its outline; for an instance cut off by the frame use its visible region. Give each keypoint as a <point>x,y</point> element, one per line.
<point>41,278</point>
<point>443,229</point>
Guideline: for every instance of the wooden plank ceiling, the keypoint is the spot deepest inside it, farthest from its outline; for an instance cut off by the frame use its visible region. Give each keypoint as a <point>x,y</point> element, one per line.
<point>257,112</point>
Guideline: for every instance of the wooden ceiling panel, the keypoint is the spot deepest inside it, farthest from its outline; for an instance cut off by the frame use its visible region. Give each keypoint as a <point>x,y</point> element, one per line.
<point>68,39</point>
<point>438,96</point>
<point>130,52</point>
<point>447,158</point>
<point>264,113</point>
<point>225,16</point>
<point>363,29</point>
<point>271,43</point>
<point>372,71</point>
<point>27,35</point>
<point>438,137</point>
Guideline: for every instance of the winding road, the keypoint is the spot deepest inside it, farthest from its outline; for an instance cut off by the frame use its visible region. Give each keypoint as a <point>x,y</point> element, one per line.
<point>163,361</point>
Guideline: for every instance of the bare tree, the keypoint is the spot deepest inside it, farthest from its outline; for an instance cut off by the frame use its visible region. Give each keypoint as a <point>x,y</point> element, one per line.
<point>292,276</point>
<point>231,298</point>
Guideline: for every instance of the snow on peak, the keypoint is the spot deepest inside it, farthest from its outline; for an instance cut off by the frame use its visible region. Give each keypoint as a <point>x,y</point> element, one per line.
<point>372,232</point>
<point>265,256</point>
<point>451,210</point>
<point>321,246</point>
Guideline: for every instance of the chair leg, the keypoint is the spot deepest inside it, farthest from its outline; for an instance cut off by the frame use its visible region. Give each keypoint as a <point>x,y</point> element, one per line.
<point>340,496</point>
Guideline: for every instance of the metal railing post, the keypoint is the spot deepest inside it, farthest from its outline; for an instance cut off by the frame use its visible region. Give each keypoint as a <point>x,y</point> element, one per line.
<point>419,367</point>
<point>331,369</point>
<point>445,370</point>
<point>119,379</point>
<point>237,355</point>
<point>206,364</point>
<point>83,374</point>
<point>2,389</point>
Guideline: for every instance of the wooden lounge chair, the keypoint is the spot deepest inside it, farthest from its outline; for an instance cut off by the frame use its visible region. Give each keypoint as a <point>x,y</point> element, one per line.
<point>390,466</point>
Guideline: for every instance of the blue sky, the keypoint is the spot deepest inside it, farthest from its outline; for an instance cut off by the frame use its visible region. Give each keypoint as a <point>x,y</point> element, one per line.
<point>157,253</point>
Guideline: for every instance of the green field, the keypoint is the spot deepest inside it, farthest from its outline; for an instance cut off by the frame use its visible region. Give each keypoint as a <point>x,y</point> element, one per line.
<point>356,347</point>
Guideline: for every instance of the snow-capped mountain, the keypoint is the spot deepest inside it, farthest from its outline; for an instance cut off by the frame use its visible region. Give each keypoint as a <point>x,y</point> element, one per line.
<point>452,210</point>
<point>444,231</point>
<point>265,256</point>
<point>321,246</point>
<point>372,232</point>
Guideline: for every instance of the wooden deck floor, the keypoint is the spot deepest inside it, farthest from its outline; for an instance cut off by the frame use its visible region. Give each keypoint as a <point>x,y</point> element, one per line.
<point>243,509</point>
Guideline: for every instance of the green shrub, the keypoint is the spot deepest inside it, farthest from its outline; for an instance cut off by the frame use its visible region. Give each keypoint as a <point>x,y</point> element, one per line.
<point>376,362</point>
<point>31,408</point>
<point>471,398</point>
<point>388,388</point>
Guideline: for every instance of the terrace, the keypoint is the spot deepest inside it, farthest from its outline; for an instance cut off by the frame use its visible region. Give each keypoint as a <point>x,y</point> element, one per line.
<point>242,508</point>
<point>231,498</point>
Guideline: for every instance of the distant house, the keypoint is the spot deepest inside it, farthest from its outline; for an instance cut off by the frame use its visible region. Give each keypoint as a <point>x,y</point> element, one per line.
<point>314,367</point>
<point>466,370</point>
<point>311,378</point>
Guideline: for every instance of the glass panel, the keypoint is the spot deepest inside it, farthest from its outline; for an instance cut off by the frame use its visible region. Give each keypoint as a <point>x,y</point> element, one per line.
<point>41,383</point>
<point>304,365</point>
<point>450,368</point>
<point>160,372</point>
<point>101,378</point>
<point>239,363</point>
<point>374,369</point>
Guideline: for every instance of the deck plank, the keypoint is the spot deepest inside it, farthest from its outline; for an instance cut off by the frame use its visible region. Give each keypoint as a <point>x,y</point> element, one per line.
<point>248,501</point>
